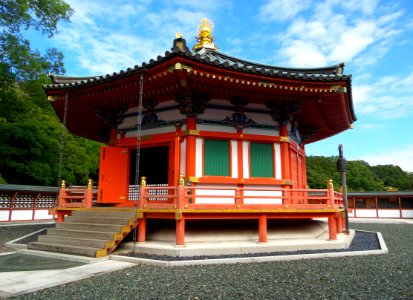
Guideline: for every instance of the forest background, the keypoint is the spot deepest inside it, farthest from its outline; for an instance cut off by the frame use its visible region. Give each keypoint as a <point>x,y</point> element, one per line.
<point>31,135</point>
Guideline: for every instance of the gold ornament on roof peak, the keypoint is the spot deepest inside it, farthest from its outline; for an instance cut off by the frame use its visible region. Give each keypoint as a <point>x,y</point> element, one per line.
<point>205,38</point>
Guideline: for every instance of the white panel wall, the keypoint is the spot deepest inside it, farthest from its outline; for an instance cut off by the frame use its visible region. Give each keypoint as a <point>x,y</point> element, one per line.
<point>258,131</point>
<point>216,114</point>
<point>407,213</point>
<point>4,215</point>
<point>262,119</point>
<point>277,196</point>
<point>387,213</point>
<point>20,215</point>
<point>351,214</point>
<point>277,149</point>
<point>42,214</point>
<point>132,134</point>
<point>216,192</point>
<point>234,159</point>
<point>217,128</point>
<point>182,164</point>
<point>199,157</point>
<point>246,160</point>
<point>366,213</point>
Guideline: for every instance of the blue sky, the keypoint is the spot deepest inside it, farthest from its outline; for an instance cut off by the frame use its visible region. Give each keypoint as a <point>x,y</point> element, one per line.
<point>374,38</point>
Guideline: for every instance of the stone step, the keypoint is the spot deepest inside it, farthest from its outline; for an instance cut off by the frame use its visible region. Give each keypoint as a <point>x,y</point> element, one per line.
<point>92,227</point>
<point>87,234</point>
<point>93,243</point>
<point>104,214</point>
<point>67,249</point>
<point>99,220</point>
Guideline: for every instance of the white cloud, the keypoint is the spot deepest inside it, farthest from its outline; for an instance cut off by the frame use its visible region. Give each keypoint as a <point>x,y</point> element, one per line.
<point>402,157</point>
<point>388,97</point>
<point>279,10</point>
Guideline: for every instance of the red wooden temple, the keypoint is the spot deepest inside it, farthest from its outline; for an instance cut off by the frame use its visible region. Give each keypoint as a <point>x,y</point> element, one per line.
<point>219,137</point>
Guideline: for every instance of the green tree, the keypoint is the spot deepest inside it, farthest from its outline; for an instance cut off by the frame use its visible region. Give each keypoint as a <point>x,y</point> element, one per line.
<point>393,176</point>
<point>29,129</point>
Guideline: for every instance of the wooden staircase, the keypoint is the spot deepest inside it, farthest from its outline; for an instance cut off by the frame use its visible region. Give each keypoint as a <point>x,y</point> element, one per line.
<point>93,232</point>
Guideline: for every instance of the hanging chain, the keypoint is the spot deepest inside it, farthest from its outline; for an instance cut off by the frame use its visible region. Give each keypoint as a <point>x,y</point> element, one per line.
<point>138,149</point>
<point>62,143</point>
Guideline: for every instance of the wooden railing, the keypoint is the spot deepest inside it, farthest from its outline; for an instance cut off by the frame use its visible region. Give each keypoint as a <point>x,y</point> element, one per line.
<point>199,197</point>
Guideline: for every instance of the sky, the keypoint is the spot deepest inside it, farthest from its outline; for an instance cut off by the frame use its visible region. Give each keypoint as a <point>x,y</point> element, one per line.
<point>373,37</point>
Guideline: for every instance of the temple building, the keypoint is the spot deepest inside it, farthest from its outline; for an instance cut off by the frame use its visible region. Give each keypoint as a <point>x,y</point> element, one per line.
<point>213,136</point>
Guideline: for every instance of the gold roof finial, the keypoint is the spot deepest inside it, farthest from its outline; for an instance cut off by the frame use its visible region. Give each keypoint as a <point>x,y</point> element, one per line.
<point>205,38</point>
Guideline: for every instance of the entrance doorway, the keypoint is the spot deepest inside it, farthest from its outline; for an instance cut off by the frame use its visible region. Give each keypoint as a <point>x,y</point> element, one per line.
<point>153,165</point>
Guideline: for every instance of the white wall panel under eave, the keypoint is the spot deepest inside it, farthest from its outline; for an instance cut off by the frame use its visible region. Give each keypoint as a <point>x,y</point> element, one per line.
<point>407,213</point>
<point>182,164</point>
<point>366,213</point>
<point>20,215</point>
<point>276,196</point>
<point>132,134</point>
<point>199,157</point>
<point>257,131</point>
<point>215,192</point>
<point>388,213</point>
<point>351,214</point>
<point>4,215</point>
<point>245,159</point>
<point>234,159</point>
<point>277,149</point>
<point>42,214</point>
<point>216,128</point>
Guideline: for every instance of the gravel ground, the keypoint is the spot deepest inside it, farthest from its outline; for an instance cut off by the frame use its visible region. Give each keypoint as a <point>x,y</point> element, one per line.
<point>361,277</point>
<point>9,233</point>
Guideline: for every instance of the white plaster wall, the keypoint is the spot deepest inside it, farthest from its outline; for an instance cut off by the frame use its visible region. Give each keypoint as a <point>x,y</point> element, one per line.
<point>258,131</point>
<point>20,215</point>
<point>407,213</point>
<point>170,115</point>
<point>277,150</point>
<point>4,215</point>
<point>42,214</point>
<point>158,130</point>
<point>222,102</point>
<point>234,159</point>
<point>216,192</point>
<point>388,213</point>
<point>199,157</point>
<point>217,128</point>
<point>246,159</point>
<point>351,214</point>
<point>216,114</point>
<point>182,164</point>
<point>261,118</point>
<point>366,213</point>
<point>276,194</point>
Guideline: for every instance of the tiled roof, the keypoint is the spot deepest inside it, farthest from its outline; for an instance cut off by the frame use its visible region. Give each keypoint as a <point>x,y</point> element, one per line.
<point>215,58</point>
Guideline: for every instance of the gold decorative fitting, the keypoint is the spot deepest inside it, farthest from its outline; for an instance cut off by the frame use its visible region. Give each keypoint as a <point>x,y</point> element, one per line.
<point>181,180</point>
<point>186,206</point>
<point>205,38</point>
<point>330,183</point>
<point>63,185</point>
<point>143,181</point>
<point>190,132</point>
<point>193,179</point>
<point>178,35</point>
<point>284,139</point>
<point>179,66</point>
<point>287,182</point>
<point>89,183</point>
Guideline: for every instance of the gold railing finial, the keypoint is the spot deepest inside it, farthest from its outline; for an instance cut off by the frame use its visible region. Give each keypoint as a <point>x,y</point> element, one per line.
<point>205,38</point>
<point>143,181</point>
<point>181,180</point>
<point>63,185</point>
<point>330,184</point>
<point>90,184</point>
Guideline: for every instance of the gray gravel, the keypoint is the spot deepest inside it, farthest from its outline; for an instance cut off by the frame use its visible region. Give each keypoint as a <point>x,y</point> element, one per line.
<point>9,233</point>
<point>361,277</point>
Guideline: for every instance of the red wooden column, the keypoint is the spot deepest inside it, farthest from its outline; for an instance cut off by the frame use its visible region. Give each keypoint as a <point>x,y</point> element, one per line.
<point>240,192</point>
<point>262,229</point>
<point>142,220</point>
<point>332,227</point>
<point>179,216</point>
<point>285,160</point>
<point>190,147</point>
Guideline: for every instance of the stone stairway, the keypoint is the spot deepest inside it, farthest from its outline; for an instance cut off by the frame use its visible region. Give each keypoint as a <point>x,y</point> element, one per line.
<point>88,232</point>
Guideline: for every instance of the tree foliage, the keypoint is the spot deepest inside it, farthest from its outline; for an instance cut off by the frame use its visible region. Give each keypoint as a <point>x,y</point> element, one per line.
<point>29,129</point>
<point>360,175</point>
